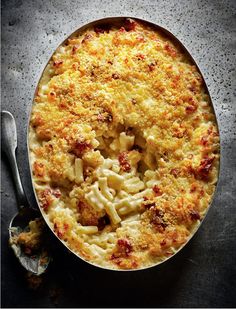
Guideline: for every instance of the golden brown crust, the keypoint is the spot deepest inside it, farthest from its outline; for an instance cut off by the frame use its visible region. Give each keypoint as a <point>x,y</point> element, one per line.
<point>130,94</point>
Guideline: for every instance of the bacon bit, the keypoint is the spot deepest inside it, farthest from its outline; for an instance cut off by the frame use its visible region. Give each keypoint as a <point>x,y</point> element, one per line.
<point>145,198</point>
<point>194,215</point>
<point>86,38</point>
<point>123,160</point>
<point>124,246</point>
<point>80,147</point>
<point>66,226</point>
<point>57,63</point>
<point>210,132</point>
<point>74,49</point>
<point>115,76</point>
<point>45,199</point>
<point>151,67</point>
<point>192,101</point>
<point>59,234</point>
<point>201,193</point>
<point>38,169</point>
<point>56,193</point>
<point>175,172</point>
<point>122,29</point>
<point>190,109</point>
<point>63,105</point>
<point>190,170</point>
<point>134,264</point>
<point>110,62</point>
<point>193,188</point>
<point>163,243</point>
<point>175,81</point>
<point>204,140</point>
<point>157,219</point>
<point>140,56</point>
<point>115,256</point>
<point>130,24</point>
<point>170,50</point>
<point>60,231</point>
<point>157,190</point>
<point>123,262</point>
<point>205,167</point>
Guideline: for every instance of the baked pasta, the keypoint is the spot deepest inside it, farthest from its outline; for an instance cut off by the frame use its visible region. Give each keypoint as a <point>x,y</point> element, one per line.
<point>124,145</point>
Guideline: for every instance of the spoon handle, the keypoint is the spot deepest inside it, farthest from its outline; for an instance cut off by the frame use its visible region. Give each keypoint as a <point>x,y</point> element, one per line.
<point>9,145</point>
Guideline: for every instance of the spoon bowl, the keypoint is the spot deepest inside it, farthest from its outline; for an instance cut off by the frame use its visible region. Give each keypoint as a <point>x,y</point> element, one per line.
<point>36,263</point>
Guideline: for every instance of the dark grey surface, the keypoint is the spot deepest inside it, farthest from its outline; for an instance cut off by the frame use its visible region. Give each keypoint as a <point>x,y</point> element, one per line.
<point>203,274</point>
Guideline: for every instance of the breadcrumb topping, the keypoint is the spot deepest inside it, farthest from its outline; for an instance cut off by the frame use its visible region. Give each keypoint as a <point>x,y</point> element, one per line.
<point>124,145</point>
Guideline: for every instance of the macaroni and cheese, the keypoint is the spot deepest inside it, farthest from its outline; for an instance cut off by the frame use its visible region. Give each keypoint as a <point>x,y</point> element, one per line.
<point>124,145</point>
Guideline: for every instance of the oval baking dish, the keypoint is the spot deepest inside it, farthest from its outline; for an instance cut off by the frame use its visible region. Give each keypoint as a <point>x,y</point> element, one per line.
<point>123,144</point>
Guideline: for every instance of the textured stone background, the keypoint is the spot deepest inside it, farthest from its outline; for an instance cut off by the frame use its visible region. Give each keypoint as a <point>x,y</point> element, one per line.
<point>203,274</point>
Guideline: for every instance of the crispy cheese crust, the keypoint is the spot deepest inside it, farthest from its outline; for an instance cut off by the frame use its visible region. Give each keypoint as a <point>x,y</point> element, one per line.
<point>124,145</point>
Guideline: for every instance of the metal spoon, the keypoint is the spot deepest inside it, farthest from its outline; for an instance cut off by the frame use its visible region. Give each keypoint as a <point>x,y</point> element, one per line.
<point>37,263</point>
